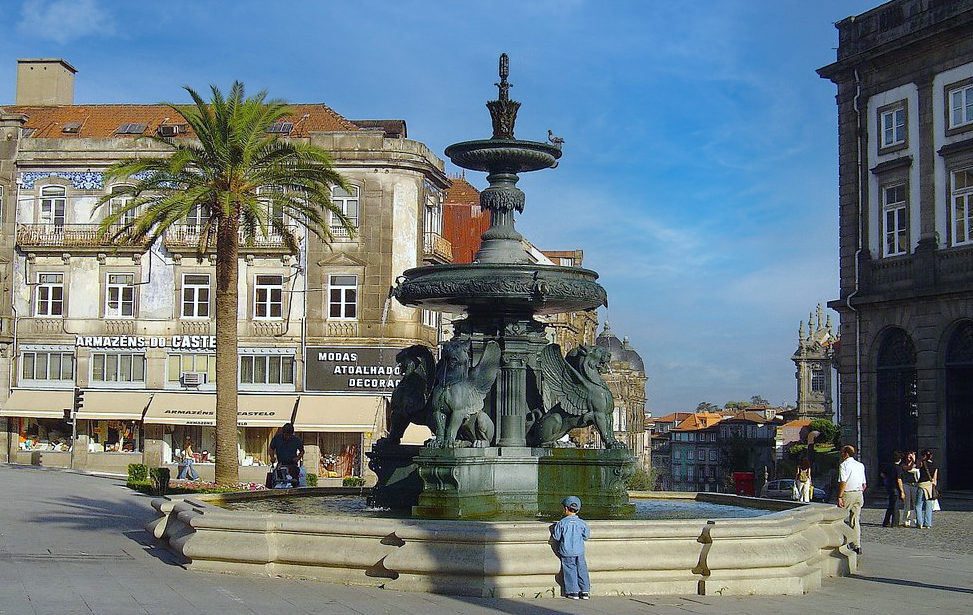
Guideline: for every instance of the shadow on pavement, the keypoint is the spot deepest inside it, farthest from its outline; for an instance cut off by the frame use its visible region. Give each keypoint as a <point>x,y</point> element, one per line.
<point>960,590</point>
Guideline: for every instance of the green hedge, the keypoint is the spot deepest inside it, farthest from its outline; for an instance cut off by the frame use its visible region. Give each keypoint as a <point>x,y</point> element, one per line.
<point>351,481</point>
<point>138,473</point>
<point>312,480</point>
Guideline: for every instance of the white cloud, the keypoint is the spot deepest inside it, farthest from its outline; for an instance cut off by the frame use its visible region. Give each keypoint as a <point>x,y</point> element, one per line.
<point>63,21</point>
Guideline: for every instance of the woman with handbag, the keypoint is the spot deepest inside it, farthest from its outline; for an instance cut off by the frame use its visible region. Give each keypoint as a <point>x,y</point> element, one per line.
<point>186,469</point>
<point>802,480</point>
<point>928,475</point>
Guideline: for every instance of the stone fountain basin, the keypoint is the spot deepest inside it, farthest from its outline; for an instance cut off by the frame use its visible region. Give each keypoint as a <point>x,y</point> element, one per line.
<point>503,155</point>
<point>786,552</point>
<point>511,288</point>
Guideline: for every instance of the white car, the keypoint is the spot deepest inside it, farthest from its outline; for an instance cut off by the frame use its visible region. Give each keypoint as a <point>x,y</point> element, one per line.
<point>783,489</point>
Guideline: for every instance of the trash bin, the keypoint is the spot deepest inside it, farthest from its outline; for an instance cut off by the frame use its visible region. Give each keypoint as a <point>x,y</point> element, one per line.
<point>743,483</point>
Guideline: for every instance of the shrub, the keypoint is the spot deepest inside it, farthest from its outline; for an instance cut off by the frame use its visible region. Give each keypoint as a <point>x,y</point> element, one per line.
<point>312,480</point>
<point>829,432</point>
<point>138,473</point>
<point>351,481</point>
<point>640,479</point>
<point>159,478</point>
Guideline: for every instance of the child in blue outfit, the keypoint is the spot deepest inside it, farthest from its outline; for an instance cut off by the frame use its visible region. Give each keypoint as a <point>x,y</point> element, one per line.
<point>570,534</point>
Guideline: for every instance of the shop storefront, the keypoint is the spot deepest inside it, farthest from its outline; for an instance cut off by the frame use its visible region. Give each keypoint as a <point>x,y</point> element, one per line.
<point>193,416</point>
<point>340,428</point>
<point>39,433</point>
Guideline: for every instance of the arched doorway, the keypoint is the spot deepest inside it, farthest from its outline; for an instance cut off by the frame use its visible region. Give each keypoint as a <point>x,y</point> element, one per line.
<point>897,409</point>
<point>959,408</point>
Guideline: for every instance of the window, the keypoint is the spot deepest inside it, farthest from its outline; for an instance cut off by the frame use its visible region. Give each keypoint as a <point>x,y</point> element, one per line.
<point>960,106</point>
<point>191,362</point>
<point>198,216</point>
<point>117,367</point>
<point>53,200</point>
<point>896,220</point>
<point>712,454</point>
<point>276,208</point>
<point>268,296</point>
<point>690,472</point>
<point>677,473</point>
<point>50,295</point>
<point>343,297</point>
<point>817,379</point>
<point>676,455</point>
<point>120,295</point>
<point>195,295</point>
<point>347,202</point>
<point>690,455</point>
<point>261,369</point>
<point>47,366</point>
<point>962,207</point>
<point>119,202</point>
<point>431,318</point>
<point>893,127</point>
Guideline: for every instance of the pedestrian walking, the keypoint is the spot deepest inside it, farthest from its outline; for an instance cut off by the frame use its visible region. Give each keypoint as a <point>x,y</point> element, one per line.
<point>186,469</point>
<point>802,480</point>
<point>570,533</point>
<point>851,493</point>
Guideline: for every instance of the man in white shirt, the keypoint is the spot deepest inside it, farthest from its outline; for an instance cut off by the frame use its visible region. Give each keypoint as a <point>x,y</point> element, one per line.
<point>851,492</point>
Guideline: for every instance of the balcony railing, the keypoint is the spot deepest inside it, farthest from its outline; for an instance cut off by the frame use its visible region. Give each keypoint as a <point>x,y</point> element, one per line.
<point>77,236</point>
<point>437,247</point>
<point>187,237</point>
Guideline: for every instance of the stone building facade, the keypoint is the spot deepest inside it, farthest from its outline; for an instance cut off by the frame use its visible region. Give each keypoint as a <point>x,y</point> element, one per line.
<point>131,328</point>
<point>904,75</point>
<point>814,359</point>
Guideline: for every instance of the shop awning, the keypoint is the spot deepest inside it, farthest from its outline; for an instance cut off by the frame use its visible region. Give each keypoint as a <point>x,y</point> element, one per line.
<point>114,405</point>
<point>200,409</point>
<point>348,413</point>
<point>416,434</point>
<point>38,404</point>
<point>265,410</point>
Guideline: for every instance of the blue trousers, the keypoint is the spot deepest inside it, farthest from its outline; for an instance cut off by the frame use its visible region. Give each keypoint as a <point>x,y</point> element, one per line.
<point>923,510</point>
<point>187,470</point>
<point>575,572</point>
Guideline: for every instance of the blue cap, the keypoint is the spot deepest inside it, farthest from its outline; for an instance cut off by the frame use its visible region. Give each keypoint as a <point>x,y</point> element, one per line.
<point>572,503</point>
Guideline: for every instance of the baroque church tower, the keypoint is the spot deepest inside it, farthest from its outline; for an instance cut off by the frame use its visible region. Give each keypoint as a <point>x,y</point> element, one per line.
<point>814,357</point>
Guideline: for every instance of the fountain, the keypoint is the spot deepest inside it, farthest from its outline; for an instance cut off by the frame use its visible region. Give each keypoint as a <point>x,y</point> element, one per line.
<point>502,395</point>
<point>498,400</point>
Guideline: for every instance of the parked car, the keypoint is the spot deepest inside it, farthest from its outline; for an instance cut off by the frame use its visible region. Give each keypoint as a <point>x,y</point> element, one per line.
<point>783,489</point>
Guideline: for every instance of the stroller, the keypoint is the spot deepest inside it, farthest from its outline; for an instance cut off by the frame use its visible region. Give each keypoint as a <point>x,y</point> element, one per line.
<point>280,477</point>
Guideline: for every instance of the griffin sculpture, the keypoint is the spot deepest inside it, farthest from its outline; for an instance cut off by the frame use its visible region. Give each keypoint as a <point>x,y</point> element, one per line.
<point>411,395</point>
<point>457,397</point>
<point>575,395</point>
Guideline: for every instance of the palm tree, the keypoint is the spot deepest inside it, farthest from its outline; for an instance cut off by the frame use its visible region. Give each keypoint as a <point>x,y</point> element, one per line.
<point>239,179</point>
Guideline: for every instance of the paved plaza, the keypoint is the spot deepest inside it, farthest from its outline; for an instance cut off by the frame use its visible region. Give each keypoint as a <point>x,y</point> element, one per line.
<point>73,543</point>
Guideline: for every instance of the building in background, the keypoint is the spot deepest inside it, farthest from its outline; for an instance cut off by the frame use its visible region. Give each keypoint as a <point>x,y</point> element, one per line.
<point>814,359</point>
<point>131,326</point>
<point>904,75</point>
<point>626,380</point>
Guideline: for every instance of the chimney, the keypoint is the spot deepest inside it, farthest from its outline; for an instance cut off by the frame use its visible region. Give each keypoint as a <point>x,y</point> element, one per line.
<point>45,82</point>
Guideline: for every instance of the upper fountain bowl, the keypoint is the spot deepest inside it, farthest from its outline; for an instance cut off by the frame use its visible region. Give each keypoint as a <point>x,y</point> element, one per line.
<point>503,155</point>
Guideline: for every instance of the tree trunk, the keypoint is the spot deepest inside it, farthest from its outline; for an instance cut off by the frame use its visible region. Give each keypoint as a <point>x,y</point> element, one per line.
<point>227,305</point>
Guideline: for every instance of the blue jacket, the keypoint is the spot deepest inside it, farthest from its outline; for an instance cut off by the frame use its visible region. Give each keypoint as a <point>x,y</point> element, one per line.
<point>570,534</point>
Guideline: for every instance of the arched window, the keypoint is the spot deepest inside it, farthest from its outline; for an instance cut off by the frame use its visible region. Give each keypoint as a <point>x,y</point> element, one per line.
<point>959,409</point>
<point>897,409</point>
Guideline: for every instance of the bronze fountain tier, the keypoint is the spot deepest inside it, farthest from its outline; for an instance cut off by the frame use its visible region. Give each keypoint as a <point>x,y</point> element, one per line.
<point>501,396</point>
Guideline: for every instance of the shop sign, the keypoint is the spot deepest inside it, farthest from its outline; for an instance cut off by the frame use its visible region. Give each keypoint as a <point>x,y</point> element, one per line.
<point>365,370</point>
<point>208,417</point>
<point>179,342</point>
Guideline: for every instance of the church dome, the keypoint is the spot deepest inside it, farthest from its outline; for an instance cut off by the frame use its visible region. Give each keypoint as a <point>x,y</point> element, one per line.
<point>620,350</point>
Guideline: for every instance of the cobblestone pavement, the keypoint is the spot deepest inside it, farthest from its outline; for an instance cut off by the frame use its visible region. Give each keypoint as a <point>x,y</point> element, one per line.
<point>74,544</point>
<point>950,531</point>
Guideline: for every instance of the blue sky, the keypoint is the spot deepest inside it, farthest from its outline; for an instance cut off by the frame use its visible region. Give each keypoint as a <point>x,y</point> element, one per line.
<point>699,173</point>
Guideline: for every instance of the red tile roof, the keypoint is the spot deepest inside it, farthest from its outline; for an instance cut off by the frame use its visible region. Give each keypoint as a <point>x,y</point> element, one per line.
<point>101,121</point>
<point>699,420</point>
